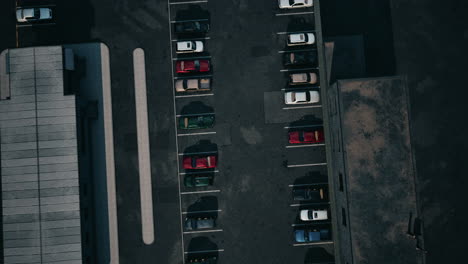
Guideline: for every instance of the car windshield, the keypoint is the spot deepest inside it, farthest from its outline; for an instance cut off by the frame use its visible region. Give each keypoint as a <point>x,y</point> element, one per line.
<point>194,45</point>
<point>305,37</point>
<point>291,2</point>
<point>310,215</point>
<point>308,96</point>
<point>36,13</point>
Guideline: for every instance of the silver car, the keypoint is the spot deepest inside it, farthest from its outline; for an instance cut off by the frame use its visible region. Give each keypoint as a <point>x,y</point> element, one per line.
<point>33,14</point>
<point>301,97</point>
<point>303,78</point>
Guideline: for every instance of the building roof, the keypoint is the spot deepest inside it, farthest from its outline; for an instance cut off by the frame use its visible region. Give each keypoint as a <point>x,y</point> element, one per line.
<point>39,161</point>
<point>380,169</point>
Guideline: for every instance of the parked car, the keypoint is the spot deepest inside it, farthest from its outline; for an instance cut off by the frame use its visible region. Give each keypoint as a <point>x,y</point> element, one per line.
<point>202,260</point>
<point>188,66</point>
<point>295,3</point>
<point>300,58</point>
<point>193,85</point>
<point>199,162</point>
<point>302,137</point>
<point>189,46</point>
<point>201,26</point>
<point>33,14</point>
<point>313,215</point>
<point>301,97</point>
<point>314,235</point>
<point>199,223</point>
<point>296,39</point>
<point>303,78</point>
<point>308,194</point>
<point>196,122</point>
<point>192,180</point>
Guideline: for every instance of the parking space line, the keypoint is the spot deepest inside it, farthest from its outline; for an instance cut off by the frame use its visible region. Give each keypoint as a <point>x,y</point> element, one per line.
<point>196,192</point>
<point>299,69</point>
<point>302,107</point>
<point>190,20</point>
<point>311,224</point>
<point>313,244</point>
<point>289,51</point>
<point>18,7</point>
<point>35,25</point>
<point>144,162</point>
<point>294,32</point>
<point>192,58</point>
<point>204,211</point>
<point>288,127</point>
<point>300,88</point>
<point>191,77</point>
<point>193,95</point>
<point>188,2</point>
<point>307,165</point>
<point>203,231</point>
<point>307,184</point>
<point>188,173</point>
<point>195,114</point>
<point>293,14</point>
<point>196,134</point>
<point>204,251</point>
<point>304,146</point>
<point>205,38</point>
<point>197,153</point>
<point>309,204</point>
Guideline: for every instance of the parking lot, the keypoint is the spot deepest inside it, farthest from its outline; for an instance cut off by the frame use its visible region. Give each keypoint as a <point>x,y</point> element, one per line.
<point>256,167</point>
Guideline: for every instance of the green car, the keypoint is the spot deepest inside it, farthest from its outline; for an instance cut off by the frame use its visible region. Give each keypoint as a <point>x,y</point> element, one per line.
<point>196,122</point>
<point>198,181</point>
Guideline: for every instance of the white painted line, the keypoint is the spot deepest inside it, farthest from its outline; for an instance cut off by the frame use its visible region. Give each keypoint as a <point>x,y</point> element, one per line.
<point>308,184</point>
<point>196,172</point>
<point>205,38</point>
<point>109,150</point>
<point>300,88</point>
<point>309,204</point>
<point>289,51</point>
<point>307,165</point>
<point>196,134</point>
<point>19,7</point>
<point>193,95</point>
<point>313,244</point>
<point>302,107</point>
<point>144,162</point>
<point>305,146</point>
<point>176,21</point>
<point>204,251</point>
<point>35,25</point>
<point>196,114</point>
<point>197,153</point>
<point>297,13</point>
<point>197,192</point>
<point>298,69</point>
<point>288,127</point>
<point>193,58</point>
<point>204,211</point>
<point>203,231</point>
<point>293,32</point>
<point>188,2</point>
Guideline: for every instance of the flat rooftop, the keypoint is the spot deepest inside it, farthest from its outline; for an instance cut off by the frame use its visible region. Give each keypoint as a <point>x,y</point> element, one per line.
<point>380,169</point>
<point>39,161</point>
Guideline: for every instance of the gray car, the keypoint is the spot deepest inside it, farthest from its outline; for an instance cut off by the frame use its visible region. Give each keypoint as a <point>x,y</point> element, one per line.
<point>197,223</point>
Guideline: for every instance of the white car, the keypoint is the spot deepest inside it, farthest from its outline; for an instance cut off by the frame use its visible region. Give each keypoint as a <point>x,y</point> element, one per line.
<point>189,46</point>
<point>301,97</point>
<point>313,215</point>
<point>303,78</point>
<point>301,39</point>
<point>33,14</point>
<point>295,3</point>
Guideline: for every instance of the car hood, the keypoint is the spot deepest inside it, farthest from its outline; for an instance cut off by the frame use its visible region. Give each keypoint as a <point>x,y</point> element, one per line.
<point>45,13</point>
<point>283,2</point>
<point>304,215</point>
<point>314,97</point>
<point>288,97</point>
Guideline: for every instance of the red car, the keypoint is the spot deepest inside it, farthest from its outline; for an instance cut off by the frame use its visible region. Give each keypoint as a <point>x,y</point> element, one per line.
<point>199,162</point>
<point>187,66</point>
<point>298,137</point>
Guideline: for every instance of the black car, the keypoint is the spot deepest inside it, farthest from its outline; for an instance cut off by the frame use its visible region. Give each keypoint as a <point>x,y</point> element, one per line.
<point>202,26</point>
<point>202,260</point>
<point>195,223</point>
<point>308,194</point>
<point>300,58</point>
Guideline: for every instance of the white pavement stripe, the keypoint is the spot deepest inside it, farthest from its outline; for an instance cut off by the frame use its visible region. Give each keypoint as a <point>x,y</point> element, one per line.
<point>289,51</point>
<point>298,69</point>
<point>190,20</point>
<point>288,127</point>
<point>188,2</point>
<point>313,244</point>
<point>191,77</point>
<point>300,88</point>
<point>203,231</point>
<point>144,162</point>
<point>205,38</point>
<point>293,14</point>
<point>196,134</point>
<point>196,172</point>
<point>197,153</point>
<point>309,204</point>
<point>308,184</point>
<point>35,25</point>
<point>196,192</point>
<point>204,211</point>
<point>204,251</point>
<point>307,165</point>
<point>110,162</point>
<point>195,114</point>
<point>302,107</point>
<point>293,32</point>
<point>305,146</point>
<point>193,58</point>
<point>193,95</point>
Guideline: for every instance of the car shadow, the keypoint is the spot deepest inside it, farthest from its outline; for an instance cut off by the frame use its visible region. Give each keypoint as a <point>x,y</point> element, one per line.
<point>192,12</point>
<point>202,247</point>
<point>195,108</point>
<point>318,255</point>
<point>306,123</point>
<point>205,206</point>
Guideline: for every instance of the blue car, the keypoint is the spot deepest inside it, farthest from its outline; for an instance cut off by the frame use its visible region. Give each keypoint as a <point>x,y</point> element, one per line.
<point>307,235</point>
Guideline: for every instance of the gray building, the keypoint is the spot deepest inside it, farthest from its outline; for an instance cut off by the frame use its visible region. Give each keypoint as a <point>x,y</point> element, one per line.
<point>372,168</point>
